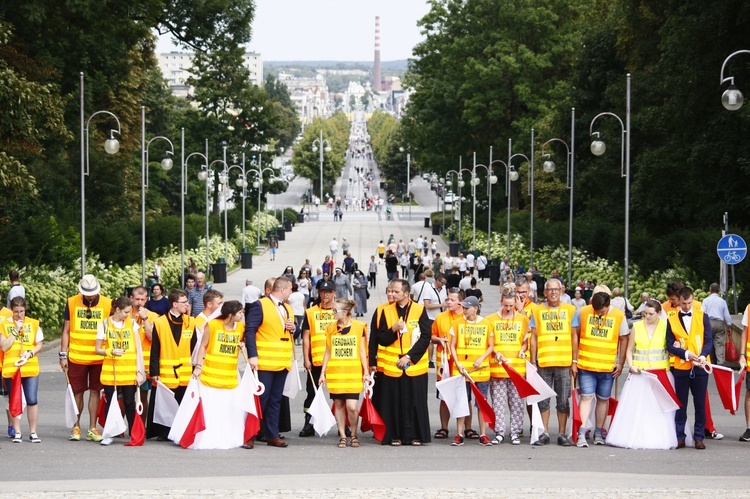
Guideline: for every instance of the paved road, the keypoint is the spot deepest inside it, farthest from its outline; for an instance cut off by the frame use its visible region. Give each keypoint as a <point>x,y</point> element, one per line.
<point>315,466</point>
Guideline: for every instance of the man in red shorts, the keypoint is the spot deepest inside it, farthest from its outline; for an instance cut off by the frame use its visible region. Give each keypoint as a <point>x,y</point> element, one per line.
<point>81,318</point>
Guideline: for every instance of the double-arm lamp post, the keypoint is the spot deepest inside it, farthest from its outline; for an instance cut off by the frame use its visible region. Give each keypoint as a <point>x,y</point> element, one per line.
<point>531,193</point>
<point>202,175</point>
<point>510,176</point>
<point>319,145</point>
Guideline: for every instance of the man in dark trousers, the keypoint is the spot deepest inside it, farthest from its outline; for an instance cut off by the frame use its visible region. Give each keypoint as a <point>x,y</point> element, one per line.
<point>689,341</point>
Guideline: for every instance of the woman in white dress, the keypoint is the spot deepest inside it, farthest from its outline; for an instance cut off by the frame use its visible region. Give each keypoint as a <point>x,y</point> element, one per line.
<point>641,421</point>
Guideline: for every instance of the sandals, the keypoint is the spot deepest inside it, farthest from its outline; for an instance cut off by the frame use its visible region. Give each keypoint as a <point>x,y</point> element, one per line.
<point>416,443</point>
<point>395,443</point>
<point>355,442</point>
<point>441,433</point>
<point>342,443</point>
<point>471,434</point>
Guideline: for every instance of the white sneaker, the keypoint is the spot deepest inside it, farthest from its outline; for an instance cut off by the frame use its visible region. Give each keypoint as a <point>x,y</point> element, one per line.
<point>582,440</point>
<point>107,441</point>
<point>497,440</point>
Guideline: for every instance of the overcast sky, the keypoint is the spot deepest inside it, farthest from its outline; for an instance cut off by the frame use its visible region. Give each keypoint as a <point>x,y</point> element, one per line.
<point>339,30</point>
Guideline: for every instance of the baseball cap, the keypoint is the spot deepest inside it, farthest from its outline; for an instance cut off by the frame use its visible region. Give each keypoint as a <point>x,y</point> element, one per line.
<point>470,301</point>
<point>327,286</point>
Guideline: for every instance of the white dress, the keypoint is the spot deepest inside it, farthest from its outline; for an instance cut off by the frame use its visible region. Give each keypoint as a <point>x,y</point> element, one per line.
<point>640,422</point>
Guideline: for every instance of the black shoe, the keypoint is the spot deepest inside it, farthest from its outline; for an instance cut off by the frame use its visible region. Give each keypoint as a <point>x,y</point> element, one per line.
<point>745,436</point>
<point>431,364</point>
<point>348,432</point>
<point>307,431</point>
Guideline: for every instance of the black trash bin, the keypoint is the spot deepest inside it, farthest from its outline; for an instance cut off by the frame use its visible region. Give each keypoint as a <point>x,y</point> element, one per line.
<point>300,218</point>
<point>437,229</point>
<point>426,222</point>
<point>281,234</point>
<point>128,291</point>
<point>288,225</point>
<point>220,272</point>
<point>494,272</point>
<point>247,260</point>
<point>453,248</point>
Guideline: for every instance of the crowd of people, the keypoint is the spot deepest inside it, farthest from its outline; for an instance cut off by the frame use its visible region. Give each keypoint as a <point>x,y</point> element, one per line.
<point>432,318</point>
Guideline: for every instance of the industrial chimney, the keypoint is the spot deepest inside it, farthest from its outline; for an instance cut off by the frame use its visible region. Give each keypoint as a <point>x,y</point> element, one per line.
<point>376,69</point>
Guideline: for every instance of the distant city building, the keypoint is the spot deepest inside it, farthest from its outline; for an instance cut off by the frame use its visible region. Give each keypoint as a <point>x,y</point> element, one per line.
<point>176,66</point>
<point>310,96</point>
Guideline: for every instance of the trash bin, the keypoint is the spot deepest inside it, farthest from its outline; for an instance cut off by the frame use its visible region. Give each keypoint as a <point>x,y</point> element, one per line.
<point>453,248</point>
<point>220,272</point>
<point>281,234</point>
<point>288,225</point>
<point>426,222</point>
<point>128,291</point>
<point>300,218</point>
<point>494,272</point>
<point>437,229</point>
<point>247,260</point>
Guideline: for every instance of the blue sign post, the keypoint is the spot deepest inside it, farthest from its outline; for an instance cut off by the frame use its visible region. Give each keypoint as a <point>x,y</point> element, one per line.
<point>732,249</point>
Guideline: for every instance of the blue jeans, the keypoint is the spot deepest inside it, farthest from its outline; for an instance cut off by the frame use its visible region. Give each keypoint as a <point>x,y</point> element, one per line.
<point>484,389</point>
<point>30,388</point>
<point>270,401</point>
<point>595,383</point>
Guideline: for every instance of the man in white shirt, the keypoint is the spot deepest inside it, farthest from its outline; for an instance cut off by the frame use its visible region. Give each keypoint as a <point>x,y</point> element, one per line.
<point>465,282</point>
<point>250,293</point>
<point>433,297</point>
<point>16,288</point>
<point>481,265</point>
<point>715,307</point>
<point>470,262</point>
<point>334,247</point>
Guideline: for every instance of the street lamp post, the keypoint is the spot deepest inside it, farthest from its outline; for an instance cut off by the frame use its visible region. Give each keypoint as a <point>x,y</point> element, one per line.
<point>408,179</point>
<point>598,148</point>
<point>449,183</point>
<point>511,175</point>
<point>441,185</point>
<point>166,165</point>
<point>319,145</point>
<point>202,175</point>
<point>258,184</point>
<point>491,180</point>
<point>223,179</point>
<point>732,99</point>
<point>549,167</point>
<point>461,183</point>
<point>531,180</point>
<point>111,146</point>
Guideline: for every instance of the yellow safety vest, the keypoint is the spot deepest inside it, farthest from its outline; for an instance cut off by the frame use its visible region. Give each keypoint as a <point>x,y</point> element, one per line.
<point>689,340</point>
<point>318,319</point>
<point>26,340</point>
<point>402,344</point>
<point>344,369</point>
<point>441,326</point>
<point>145,342</point>
<point>597,346</point>
<point>220,364</point>
<point>509,335</point>
<point>554,335</point>
<point>119,370</point>
<point>175,367</point>
<point>650,353</point>
<point>472,340</point>
<point>274,343</point>
<point>84,323</point>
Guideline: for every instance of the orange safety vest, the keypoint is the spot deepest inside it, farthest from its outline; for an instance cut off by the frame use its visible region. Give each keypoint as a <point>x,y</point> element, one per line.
<point>84,322</point>
<point>381,349</point>
<point>344,369</point>
<point>119,370</point>
<point>403,343</point>
<point>318,319</point>
<point>441,327</point>
<point>472,340</point>
<point>597,344</point>
<point>175,368</point>
<point>554,329</point>
<point>650,353</point>
<point>509,335</point>
<point>669,310</point>
<point>689,340</point>
<point>747,345</point>
<point>274,343</point>
<point>26,340</point>
<point>220,364</point>
<point>145,342</point>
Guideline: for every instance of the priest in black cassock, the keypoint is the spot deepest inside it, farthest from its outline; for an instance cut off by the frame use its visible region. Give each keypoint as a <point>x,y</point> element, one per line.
<point>403,332</point>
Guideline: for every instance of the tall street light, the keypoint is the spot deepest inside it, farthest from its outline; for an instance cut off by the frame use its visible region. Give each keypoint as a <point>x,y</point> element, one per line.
<point>166,165</point>
<point>598,148</point>
<point>202,175</point>
<point>491,180</point>
<point>461,183</point>
<point>258,172</point>
<point>732,99</point>
<point>408,178</point>
<point>511,175</point>
<point>449,183</point>
<point>549,167</point>
<point>531,180</point>
<point>111,146</point>
<point>320,145</point>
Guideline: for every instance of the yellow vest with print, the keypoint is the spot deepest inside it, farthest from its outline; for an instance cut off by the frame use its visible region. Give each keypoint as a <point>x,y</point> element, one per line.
<point>344,369</point>
<point>318,319</point>
<point>554,335</point>
<point>402,345</point>
<point>650,353</point>
<point>274,343</point>
<point>119,370</point>
<point>84,323</point>
<point>509,335</point>
<point>441,326</point>
<point>381,349</point>
<point>472,340</point>
<point>599,336</point>
<point>26,340</point>
<point>689,340</point>
<point>175,367</point>
<point>145,342</point>
<point>220,364</point>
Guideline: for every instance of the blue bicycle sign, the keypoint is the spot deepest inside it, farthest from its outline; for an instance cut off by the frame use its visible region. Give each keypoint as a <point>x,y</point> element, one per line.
<point>732,249</point>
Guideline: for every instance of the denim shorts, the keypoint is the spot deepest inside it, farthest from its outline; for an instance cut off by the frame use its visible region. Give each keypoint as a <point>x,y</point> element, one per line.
<point>484,389</point>
<point>592,382</point>
<point>557,378</point>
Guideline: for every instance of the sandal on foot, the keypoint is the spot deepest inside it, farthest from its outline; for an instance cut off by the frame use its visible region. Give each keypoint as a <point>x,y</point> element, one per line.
<point>470,433</point>
<point>355,442</point>
<point>416,443</point>
<point>396,443</point>
<point>342,443</point>
<point>441,433</point>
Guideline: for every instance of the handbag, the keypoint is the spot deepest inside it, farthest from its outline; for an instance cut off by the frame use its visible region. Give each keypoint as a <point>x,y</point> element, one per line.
<point>730,350</point>
<point>368,294</point>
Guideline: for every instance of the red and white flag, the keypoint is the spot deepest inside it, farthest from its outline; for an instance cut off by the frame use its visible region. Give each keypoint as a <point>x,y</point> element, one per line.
<point>663,397</point>
<point>485,409</point>
<point>293,383</point>
<point>138,431</point>
<point>165,405</point>
<point>729,390</point>
<point>185,411</point>
<point>115,424</point>
<point>196,425</point>
<point>320,413</point>
<point>453,392</point>
<point>523,387</point>
<point>536,381</point>
<point>248,401</point>
<point>71,408</point>
<point>17,402</point>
